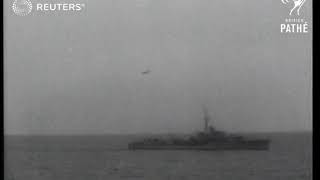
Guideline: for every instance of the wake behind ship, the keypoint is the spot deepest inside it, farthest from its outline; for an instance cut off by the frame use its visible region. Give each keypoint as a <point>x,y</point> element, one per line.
<point>208,139</point>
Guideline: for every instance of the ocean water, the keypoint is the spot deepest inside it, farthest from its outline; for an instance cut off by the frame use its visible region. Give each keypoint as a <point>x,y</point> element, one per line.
<point>106,158</point>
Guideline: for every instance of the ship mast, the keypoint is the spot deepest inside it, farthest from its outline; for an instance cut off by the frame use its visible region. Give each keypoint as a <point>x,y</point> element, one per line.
<point>206,118</point>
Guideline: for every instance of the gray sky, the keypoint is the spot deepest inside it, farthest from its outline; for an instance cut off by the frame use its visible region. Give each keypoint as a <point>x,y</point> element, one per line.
<point>81,73</point>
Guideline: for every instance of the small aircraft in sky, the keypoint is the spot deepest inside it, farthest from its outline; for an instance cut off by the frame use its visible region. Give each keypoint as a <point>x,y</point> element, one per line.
<point>146,72</point>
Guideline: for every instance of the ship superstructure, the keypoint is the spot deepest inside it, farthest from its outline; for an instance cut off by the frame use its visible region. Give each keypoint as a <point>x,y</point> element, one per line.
<point>208,139</point>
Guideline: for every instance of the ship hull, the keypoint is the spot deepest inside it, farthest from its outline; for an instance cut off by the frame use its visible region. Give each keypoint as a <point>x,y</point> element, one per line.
<point>221,146</point>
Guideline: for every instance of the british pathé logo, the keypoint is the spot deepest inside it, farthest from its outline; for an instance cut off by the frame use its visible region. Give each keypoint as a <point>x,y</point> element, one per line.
<point>294,23</point>
<point>297,4</point>
<point>294,26</point>
<point>22,7</point>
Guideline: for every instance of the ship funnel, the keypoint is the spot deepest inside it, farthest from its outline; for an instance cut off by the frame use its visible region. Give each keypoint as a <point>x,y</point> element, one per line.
<point>206,118</point>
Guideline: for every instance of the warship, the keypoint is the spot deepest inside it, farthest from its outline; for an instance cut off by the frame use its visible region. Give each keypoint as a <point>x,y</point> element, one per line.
<point>208,139</point>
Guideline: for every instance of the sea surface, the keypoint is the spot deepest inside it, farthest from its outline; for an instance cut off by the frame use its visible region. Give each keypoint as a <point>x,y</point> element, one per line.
<point>107,158</point>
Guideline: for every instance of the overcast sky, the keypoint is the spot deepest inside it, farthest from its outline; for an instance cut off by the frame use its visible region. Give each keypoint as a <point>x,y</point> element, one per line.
<point>80,73</point>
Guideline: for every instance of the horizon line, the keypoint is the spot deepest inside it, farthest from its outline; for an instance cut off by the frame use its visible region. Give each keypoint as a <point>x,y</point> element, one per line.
<point>145,133</point>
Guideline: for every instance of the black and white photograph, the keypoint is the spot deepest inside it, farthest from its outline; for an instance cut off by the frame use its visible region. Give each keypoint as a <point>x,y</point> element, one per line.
<point>158,89</point>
